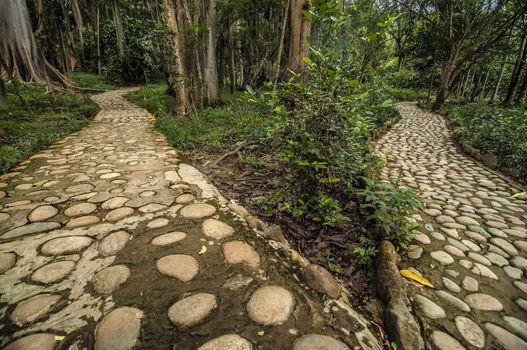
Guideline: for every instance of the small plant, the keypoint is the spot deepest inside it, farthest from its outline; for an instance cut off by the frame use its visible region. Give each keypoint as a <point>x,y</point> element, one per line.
<point>329,261</point>
<point>366,251</point>
<point>388,207</point>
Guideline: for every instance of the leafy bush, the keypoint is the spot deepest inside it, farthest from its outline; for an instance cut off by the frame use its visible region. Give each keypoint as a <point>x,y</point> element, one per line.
<point>388,207</point>
<point>93,81</point>
<point>322,131</point>
<point>491,129</point>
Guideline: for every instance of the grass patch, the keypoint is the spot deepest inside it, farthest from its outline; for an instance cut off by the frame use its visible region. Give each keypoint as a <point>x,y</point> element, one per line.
<point>93,81</point>
<point>52,116</point>
<point>492,129</point>
<point>211,128</point>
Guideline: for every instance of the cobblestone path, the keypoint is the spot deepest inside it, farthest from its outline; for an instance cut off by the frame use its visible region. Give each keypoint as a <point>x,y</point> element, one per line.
<point>108,241</point>
<point>473,245</point>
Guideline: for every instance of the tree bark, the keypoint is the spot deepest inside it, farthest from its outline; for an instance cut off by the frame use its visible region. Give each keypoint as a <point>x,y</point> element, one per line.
<point>281,44</point>
<point>516,73</point>
<point>19,53</point>
<point>300,32</point>
<point>210,70</point>
<point>498,82</point>
<point>177,78</point>
<point>119,36</point>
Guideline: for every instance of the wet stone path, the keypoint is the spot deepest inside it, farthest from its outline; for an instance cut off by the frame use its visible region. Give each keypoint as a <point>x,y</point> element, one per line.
<point>108,241</point>
<point>473,245</point>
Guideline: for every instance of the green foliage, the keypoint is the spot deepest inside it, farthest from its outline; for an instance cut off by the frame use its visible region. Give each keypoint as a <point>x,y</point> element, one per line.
<point>329,261</point>
<point>210,128</point>
<point>366,251</point>
<point>139,36</point>
<point>388,207</point>
<point>501,131</point>
<point>93,81</point>
<point>322,131</point>
<point>52,116</point>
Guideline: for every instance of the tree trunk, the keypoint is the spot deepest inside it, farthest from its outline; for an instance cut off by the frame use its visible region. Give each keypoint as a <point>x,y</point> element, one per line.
<point>447,78</point>
<point>119,36</point>
<point>498,82</point>
<point>300,32</point>
<point>281,44</point>
<point>516,73</point>
<point>521,90</point>
<point>18,50</point>
<point>210,70</point>
<point>232,69</point>
<point>98,37</point>
<point>177,78</point>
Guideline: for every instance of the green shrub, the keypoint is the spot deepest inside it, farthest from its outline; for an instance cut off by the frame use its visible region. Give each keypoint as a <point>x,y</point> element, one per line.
<point>388,207</point>
<point>322,132</point>
<point>93,81</point>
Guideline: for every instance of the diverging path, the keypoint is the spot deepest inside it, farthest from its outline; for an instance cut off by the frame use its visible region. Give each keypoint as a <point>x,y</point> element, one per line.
<point>473,245</point>
<point>108,241</point>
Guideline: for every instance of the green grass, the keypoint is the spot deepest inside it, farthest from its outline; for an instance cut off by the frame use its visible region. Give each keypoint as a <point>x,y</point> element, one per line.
<point>52,116</point>
<point>93,81</point>
<point>492,129</point>
<point>210,128</point>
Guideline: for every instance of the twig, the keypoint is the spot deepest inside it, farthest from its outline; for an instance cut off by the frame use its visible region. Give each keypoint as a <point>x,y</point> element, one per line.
<point>230,153</point>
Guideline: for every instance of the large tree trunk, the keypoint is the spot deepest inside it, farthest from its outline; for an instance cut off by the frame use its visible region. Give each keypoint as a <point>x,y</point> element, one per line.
<point>210,70</point>
<point>18,50</point>
<point>447,78</point>
<point>177,78</point>
<point>300,32</point>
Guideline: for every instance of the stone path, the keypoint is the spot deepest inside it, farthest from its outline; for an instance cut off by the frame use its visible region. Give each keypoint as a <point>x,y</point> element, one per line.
<point>473,245</point>
<point>108,241</point>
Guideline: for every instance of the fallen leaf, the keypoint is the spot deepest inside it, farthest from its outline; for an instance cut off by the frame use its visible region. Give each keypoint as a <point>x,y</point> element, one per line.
<point>412,275</point>
<point>203,250</point>
<point>261,333</point>
<point>40,183</point>
<point>519,194</point>
<point>59,337</point>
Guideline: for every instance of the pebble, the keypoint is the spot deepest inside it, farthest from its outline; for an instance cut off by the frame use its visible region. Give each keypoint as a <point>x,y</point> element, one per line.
<point>485,302</point>
<point>184,199</point>
<point>227,342</point>
<point>158,223</point>
<point>422,238</point>
<point>114,242</point>
<point>80,209</point>
<point>119,329</point>
<point>470,284</point>
<point>182,267</point>
<point>513,272</point>
<point>237,282</point>
<point>321,280</point>
<point>443,341</point>
<point>479,258</point>
<point>168,238</point>
<point>497,259</point>
<point>82,221</point>
<point>518,326</point>
<point>442,257</point>
<point>506,246</point>
<point>521,286</point>
<point>38,341</point>
<point>450,285</point>
<point>114,203</point>
<point>470,331</point>
<point>192,310</point>
<point>53,272</point>
<point>108,279</point>
<point>270,305</point>
<point>452,300</point>
<point>237,252</point>
<point>33,308</point>
<point>429,308</point>
<point>505,338</point>
<point>216,229</point>
<point>29,229</point>
<point>152,207</point>
<point>438,236</point>
<point>7,261</point>
<point>42,213</point>
<point>118,214</point>
<point>65,245</point>
<point>519,262</point>
<point>197,211</point>
<point>318,342</point>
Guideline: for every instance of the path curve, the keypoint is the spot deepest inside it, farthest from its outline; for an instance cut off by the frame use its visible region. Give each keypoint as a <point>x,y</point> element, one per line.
<point>473,245</point>
<point>108,240</point>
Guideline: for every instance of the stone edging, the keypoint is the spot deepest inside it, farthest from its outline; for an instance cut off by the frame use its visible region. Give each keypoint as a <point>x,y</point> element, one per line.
<point>399,322</point>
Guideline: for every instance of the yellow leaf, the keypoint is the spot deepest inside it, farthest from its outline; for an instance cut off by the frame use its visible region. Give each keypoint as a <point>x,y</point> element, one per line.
<point>412,275</point>
<point>59,337</point>
<point>261,333</point>
<point>203,250</point>
<point>519,194</point>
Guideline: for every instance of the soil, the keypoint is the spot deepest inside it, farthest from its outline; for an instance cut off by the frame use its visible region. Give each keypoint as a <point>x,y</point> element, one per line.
<point>249,183</point>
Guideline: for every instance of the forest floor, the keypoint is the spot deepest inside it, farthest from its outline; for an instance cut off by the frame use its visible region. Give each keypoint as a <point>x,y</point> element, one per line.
<point>473,245</point>
<point>107,239</point>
